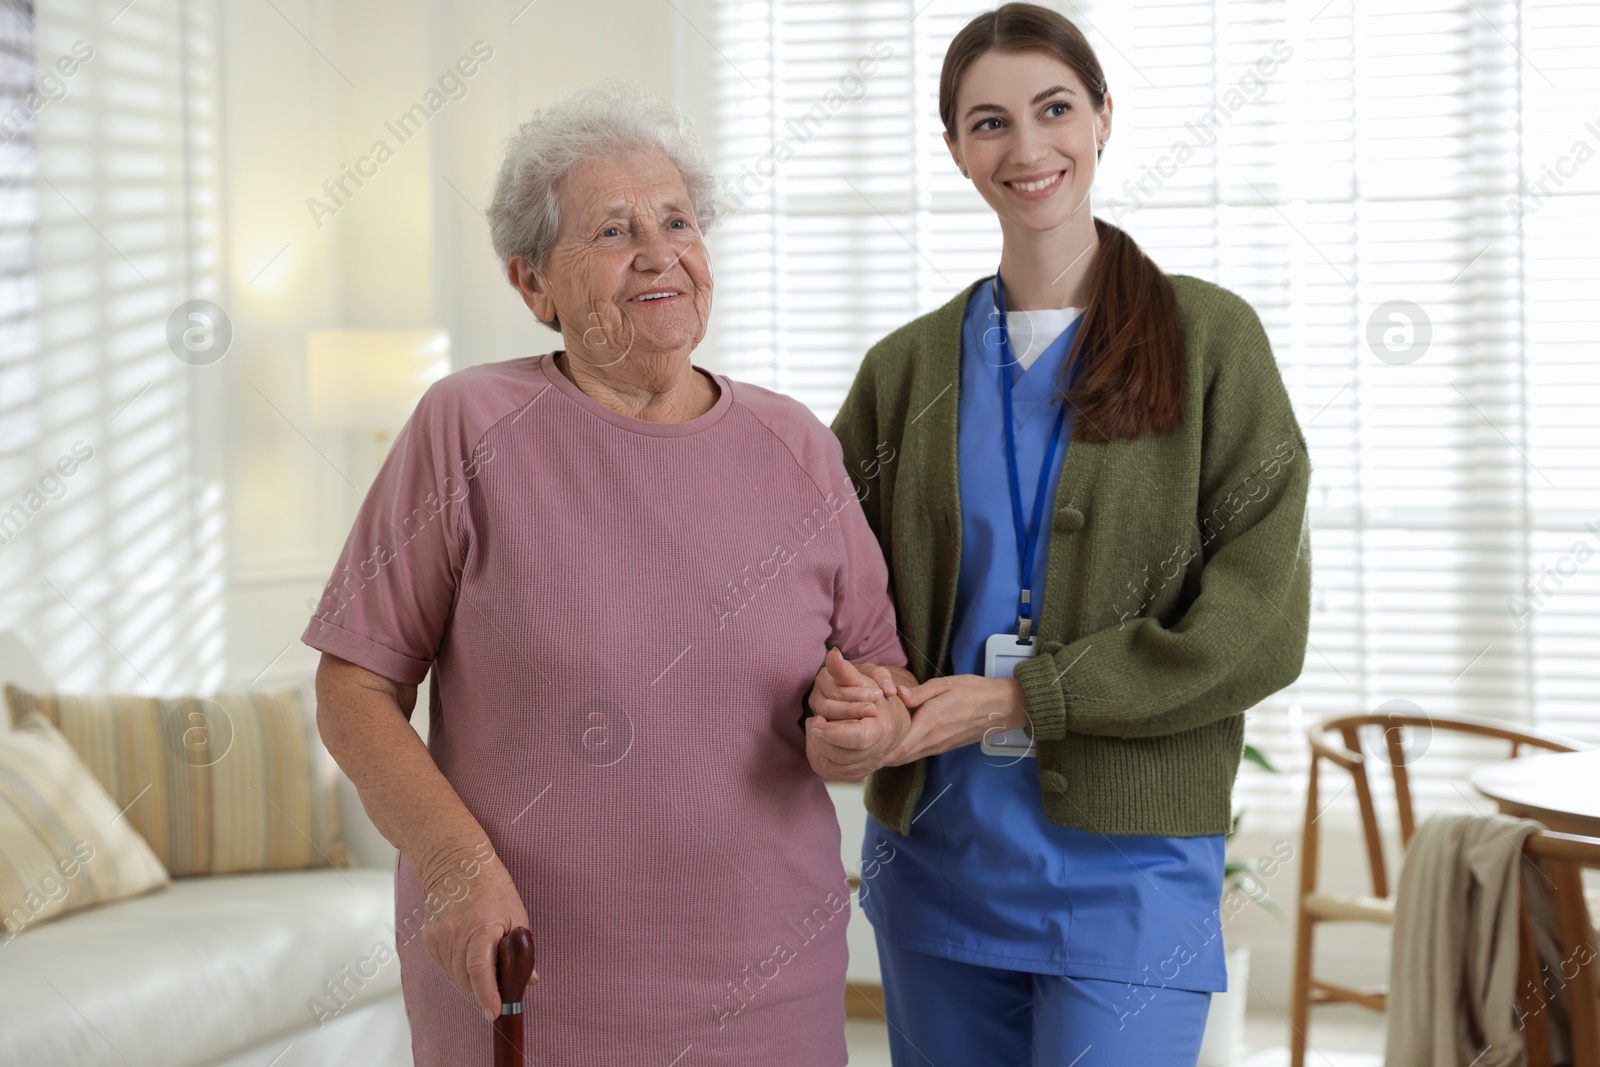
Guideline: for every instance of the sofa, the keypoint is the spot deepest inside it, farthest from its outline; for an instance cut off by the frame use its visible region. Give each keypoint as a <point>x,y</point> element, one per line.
<point>277,969</point>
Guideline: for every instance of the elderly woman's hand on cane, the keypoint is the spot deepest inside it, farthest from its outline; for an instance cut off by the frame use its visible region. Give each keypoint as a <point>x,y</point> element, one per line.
<point>471,904</point>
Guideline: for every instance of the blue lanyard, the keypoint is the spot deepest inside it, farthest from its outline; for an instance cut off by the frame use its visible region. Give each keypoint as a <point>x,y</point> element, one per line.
<point>1027,536</point>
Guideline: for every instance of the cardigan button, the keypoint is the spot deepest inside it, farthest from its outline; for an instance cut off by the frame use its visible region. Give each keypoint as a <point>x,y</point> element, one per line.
<point>1068,519</point>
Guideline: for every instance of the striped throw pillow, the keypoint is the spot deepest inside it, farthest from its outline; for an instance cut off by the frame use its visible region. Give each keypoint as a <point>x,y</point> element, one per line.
<point>221,784</point>
<point>63,844</point>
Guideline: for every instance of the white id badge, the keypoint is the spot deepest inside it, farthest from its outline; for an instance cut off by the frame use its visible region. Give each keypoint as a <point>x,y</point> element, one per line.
<point>1001,654</point>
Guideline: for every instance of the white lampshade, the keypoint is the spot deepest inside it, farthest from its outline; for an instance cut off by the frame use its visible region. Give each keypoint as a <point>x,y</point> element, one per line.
<point>371,379</point>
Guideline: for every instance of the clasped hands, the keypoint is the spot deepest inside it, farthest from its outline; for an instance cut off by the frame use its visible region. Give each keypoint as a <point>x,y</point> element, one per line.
<point>863,716</point>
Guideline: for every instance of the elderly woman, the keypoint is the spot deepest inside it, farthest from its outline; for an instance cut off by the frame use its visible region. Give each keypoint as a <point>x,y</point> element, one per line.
<point>622,571</point>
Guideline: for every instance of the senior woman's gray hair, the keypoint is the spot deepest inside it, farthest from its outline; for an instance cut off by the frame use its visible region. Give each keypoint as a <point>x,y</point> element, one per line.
<point>525,214</point>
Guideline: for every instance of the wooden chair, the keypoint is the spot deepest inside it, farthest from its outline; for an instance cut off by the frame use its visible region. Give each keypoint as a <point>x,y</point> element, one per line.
<point>1563,857</point>
<point>1316,906</point>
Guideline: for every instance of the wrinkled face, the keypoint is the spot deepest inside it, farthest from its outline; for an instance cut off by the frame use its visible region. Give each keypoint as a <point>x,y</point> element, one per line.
<point>1027,136</point>
<point>629,271</point>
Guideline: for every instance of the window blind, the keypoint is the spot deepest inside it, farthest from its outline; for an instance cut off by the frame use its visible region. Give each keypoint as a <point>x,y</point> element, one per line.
<point>19,219</point>
<point>115,576</point>
<point>1405,192</point>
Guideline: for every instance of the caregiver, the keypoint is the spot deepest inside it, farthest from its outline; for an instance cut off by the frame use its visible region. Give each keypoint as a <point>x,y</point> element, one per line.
<point>1046,848</point>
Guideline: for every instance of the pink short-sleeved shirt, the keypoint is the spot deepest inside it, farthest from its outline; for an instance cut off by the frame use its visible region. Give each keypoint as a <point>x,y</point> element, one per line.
<point>622,619</point>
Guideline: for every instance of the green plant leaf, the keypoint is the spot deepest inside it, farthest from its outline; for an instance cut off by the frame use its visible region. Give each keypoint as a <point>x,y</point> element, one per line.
<point>1254,755</point>
<point>1235,867</point>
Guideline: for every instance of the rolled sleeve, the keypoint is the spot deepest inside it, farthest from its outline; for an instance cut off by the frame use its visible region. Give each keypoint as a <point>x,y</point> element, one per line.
<point>393,587</point>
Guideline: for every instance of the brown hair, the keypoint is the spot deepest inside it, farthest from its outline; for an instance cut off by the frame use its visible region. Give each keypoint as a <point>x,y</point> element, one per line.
<point>1130,342</point>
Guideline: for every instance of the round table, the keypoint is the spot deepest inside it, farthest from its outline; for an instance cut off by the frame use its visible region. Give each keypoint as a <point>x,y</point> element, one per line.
<point>1561,790</point>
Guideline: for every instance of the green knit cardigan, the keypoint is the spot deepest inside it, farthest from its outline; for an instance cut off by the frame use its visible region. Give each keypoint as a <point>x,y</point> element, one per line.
<point>1178,588</point>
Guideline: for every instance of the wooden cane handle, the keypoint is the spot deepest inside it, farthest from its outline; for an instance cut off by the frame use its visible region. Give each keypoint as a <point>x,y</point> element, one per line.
<point>514,964</point>
<point>513,968</point>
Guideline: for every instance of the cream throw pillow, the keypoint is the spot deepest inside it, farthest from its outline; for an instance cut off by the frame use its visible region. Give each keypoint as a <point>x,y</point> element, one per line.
<point>222,784</point>
<point>63,844</point>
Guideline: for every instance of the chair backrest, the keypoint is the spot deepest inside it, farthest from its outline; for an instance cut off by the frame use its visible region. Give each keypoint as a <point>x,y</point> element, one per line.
<point>1349,753</point>
<point>1562,858</point>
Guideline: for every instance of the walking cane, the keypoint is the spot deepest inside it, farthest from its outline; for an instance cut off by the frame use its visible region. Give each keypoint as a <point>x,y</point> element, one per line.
<point>513,967</point>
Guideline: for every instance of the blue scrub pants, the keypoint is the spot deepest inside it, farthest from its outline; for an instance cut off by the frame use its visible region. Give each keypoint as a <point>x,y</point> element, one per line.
<point>943,1013</point>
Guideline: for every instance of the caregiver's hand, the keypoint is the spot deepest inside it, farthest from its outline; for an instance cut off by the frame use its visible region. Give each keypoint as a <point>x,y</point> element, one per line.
<point>957,710</point>
<point>469,903</point>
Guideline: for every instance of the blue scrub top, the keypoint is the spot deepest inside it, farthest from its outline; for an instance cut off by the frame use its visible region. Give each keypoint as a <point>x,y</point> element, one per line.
<point>984,877</point>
